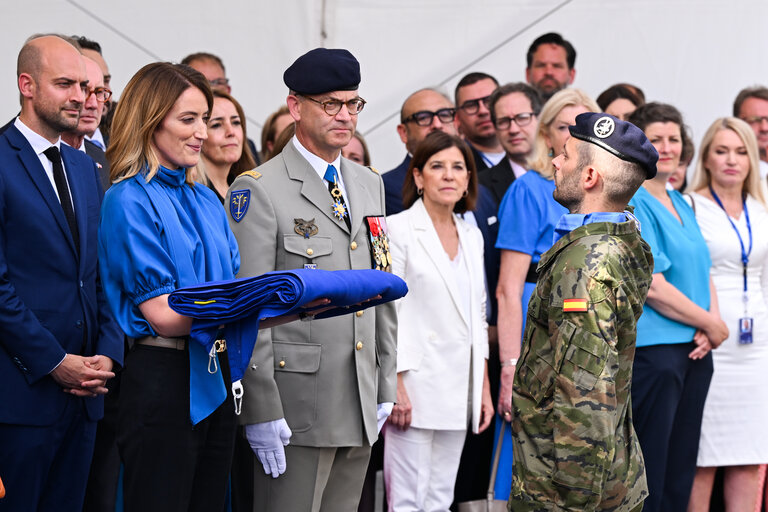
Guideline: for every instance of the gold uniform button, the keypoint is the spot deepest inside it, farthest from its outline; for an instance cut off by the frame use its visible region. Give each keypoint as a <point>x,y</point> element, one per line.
<point>353,245</point>
<point>359,345</point>
<point>310,252</point>
<point>359,313</point>
<point>282,364</point>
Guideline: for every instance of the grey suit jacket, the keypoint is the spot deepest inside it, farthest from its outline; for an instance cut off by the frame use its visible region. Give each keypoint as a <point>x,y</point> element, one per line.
<point>324,376</point>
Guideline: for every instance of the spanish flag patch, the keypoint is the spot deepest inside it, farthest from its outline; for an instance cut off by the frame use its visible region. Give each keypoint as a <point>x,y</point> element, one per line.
<point>574,305</point>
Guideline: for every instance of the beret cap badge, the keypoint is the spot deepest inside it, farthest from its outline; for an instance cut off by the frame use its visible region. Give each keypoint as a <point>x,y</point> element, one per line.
<point>604,127</point>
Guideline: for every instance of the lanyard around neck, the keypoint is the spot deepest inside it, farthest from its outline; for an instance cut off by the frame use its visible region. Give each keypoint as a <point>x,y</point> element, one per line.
<point>744,253</point>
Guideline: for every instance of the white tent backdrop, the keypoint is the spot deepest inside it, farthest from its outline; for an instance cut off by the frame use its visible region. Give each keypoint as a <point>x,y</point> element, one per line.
<point>694,54</point>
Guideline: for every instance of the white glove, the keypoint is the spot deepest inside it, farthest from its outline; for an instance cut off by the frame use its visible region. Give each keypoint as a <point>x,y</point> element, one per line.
<point>383,411</point>
<point>267,441</point>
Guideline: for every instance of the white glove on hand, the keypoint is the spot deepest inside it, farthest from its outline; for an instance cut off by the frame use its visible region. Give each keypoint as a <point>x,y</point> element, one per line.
<point>267,441</point>
<point>383,411</point>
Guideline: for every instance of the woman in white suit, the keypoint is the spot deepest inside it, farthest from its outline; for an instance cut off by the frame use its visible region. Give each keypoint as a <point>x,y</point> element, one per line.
<point>442,342</point>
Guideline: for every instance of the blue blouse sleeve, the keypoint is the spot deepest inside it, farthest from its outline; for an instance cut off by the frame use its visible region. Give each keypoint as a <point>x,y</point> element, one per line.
<point>651,233</point>
<point>520,219</point>
<point>131,235</point>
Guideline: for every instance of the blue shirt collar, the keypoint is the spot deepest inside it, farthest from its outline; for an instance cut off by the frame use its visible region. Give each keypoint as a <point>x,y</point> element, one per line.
<point>571,221</point>
<point>172,178</point>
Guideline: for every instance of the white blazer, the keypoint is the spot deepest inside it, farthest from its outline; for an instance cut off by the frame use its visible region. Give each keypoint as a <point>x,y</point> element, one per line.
<point>437,341</point>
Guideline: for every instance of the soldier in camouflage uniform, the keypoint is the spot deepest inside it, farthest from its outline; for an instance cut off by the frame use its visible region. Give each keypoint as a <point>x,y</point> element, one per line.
<point>574,444</point>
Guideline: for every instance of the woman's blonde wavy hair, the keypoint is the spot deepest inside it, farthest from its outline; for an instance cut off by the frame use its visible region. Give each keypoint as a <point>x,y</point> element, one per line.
<point>703,178</point>
<point>145,101</point>
<point>541,160</point>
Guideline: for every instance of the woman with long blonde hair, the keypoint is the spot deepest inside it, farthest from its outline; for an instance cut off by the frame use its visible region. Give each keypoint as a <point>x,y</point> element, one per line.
<point>731,211</point>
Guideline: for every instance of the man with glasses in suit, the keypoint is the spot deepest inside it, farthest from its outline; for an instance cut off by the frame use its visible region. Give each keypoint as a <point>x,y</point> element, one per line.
<point>473,119</point>
<point>423,112</point>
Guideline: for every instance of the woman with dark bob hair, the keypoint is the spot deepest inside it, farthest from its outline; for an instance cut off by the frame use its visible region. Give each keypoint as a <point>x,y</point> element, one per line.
<point>442,339</point>
<point>620,100</point>
<point>160,232</point>
<point>680,323</point>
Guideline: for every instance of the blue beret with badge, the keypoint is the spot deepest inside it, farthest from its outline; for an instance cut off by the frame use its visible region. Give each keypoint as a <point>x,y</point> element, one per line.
<point>323,70</point>
<point>620,138</point>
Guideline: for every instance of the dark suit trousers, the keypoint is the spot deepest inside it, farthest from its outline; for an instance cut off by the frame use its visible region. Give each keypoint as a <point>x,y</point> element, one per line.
<point>169,464</point>
<point>668,395</point>
<point>46,468</point>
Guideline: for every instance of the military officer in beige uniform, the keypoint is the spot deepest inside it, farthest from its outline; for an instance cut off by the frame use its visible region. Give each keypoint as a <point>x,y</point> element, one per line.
<point>324,386</point>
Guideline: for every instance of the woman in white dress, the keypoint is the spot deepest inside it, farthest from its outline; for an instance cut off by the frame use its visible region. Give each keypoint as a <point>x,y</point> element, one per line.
<point>442,339</point>
<point>730,208</point>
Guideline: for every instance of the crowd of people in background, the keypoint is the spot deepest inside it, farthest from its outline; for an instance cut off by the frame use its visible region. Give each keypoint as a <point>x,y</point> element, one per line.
<point>469,213</point>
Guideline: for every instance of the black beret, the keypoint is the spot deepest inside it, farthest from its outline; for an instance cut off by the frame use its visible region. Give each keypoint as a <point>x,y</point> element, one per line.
<point>620,138</point>
<point>323,70</point>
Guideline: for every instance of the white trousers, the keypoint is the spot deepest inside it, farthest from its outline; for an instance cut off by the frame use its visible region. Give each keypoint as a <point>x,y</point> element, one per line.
<point>420,467</point>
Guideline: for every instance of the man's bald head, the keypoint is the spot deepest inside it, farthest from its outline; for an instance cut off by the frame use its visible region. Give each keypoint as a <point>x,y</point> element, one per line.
<point>52,81</point>
<point>423,100</point>
<point>34,51</point>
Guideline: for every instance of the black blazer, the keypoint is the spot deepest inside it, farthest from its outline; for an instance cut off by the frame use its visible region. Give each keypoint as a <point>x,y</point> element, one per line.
<point>498,179</point>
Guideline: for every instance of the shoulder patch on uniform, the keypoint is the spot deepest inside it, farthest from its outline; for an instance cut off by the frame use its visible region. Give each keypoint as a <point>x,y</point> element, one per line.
<point>375,170</point>
<point>252,173</point>
<point>239,201</point>
<point>575,306</point>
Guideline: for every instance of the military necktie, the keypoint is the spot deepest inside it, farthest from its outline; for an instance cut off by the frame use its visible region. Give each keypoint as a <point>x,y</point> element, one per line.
<point>63,190</point>
<point>338,206</point>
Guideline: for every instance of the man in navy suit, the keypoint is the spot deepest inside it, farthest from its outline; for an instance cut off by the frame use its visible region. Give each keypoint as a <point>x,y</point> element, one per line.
<point>58,340</point>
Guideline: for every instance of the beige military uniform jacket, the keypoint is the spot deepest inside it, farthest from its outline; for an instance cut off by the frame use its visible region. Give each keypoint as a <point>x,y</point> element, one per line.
<point>325,377</point>
<point>574,444</point>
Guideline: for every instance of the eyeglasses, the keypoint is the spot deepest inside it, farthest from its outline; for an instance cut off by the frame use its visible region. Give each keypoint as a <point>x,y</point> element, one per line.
<point>472,106</point>
<point>102,94</point>
<point>219,82</point>
<point>756,119</point>
<point>333,107</point>
<point>425,117</point>
<point>521,119</point>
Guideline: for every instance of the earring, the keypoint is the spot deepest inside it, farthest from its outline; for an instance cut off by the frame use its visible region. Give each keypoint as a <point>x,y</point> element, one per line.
<point>551,153</point>
<point>419,191</point>
<point>465,193</point>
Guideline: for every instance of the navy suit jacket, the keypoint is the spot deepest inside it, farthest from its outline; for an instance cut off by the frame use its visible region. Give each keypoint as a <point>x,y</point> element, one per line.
<point>51,302</point>
<point>393,186</point>
<point>99,156</point>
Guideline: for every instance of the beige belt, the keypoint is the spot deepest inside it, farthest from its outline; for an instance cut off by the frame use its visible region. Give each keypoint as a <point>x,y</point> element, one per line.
<point>159,341</point>
<point>175,343</point>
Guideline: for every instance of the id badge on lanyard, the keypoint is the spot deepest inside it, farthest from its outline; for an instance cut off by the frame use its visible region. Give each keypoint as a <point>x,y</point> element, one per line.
<point>746,323</point>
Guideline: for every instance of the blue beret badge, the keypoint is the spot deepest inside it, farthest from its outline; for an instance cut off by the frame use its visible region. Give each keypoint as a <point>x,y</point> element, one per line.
<point>604,127</point>
<point>238,204</point>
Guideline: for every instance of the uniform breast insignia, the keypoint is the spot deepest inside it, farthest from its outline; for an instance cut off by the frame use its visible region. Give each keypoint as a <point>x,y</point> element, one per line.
<point>306,228</point>
<point>377,234</point>
<point>575,306</point>
<point>238,203</point>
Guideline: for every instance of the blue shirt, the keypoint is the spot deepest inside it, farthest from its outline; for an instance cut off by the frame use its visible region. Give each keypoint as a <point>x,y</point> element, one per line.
<point>135,257</point>
<point>571,221</point>
<point>528,215</point>
<point>681,255</point>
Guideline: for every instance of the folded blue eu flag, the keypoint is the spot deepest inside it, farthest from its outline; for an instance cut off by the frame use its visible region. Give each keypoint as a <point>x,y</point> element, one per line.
<point>240,304</point>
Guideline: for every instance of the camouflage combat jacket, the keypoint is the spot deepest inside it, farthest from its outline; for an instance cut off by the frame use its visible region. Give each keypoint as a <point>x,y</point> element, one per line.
<point>574,444</point>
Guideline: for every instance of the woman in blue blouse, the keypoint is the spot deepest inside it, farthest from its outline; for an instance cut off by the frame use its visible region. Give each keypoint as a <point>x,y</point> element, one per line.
<point>679,326</point>
<point>160,232</point>
<point>527,218</point>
